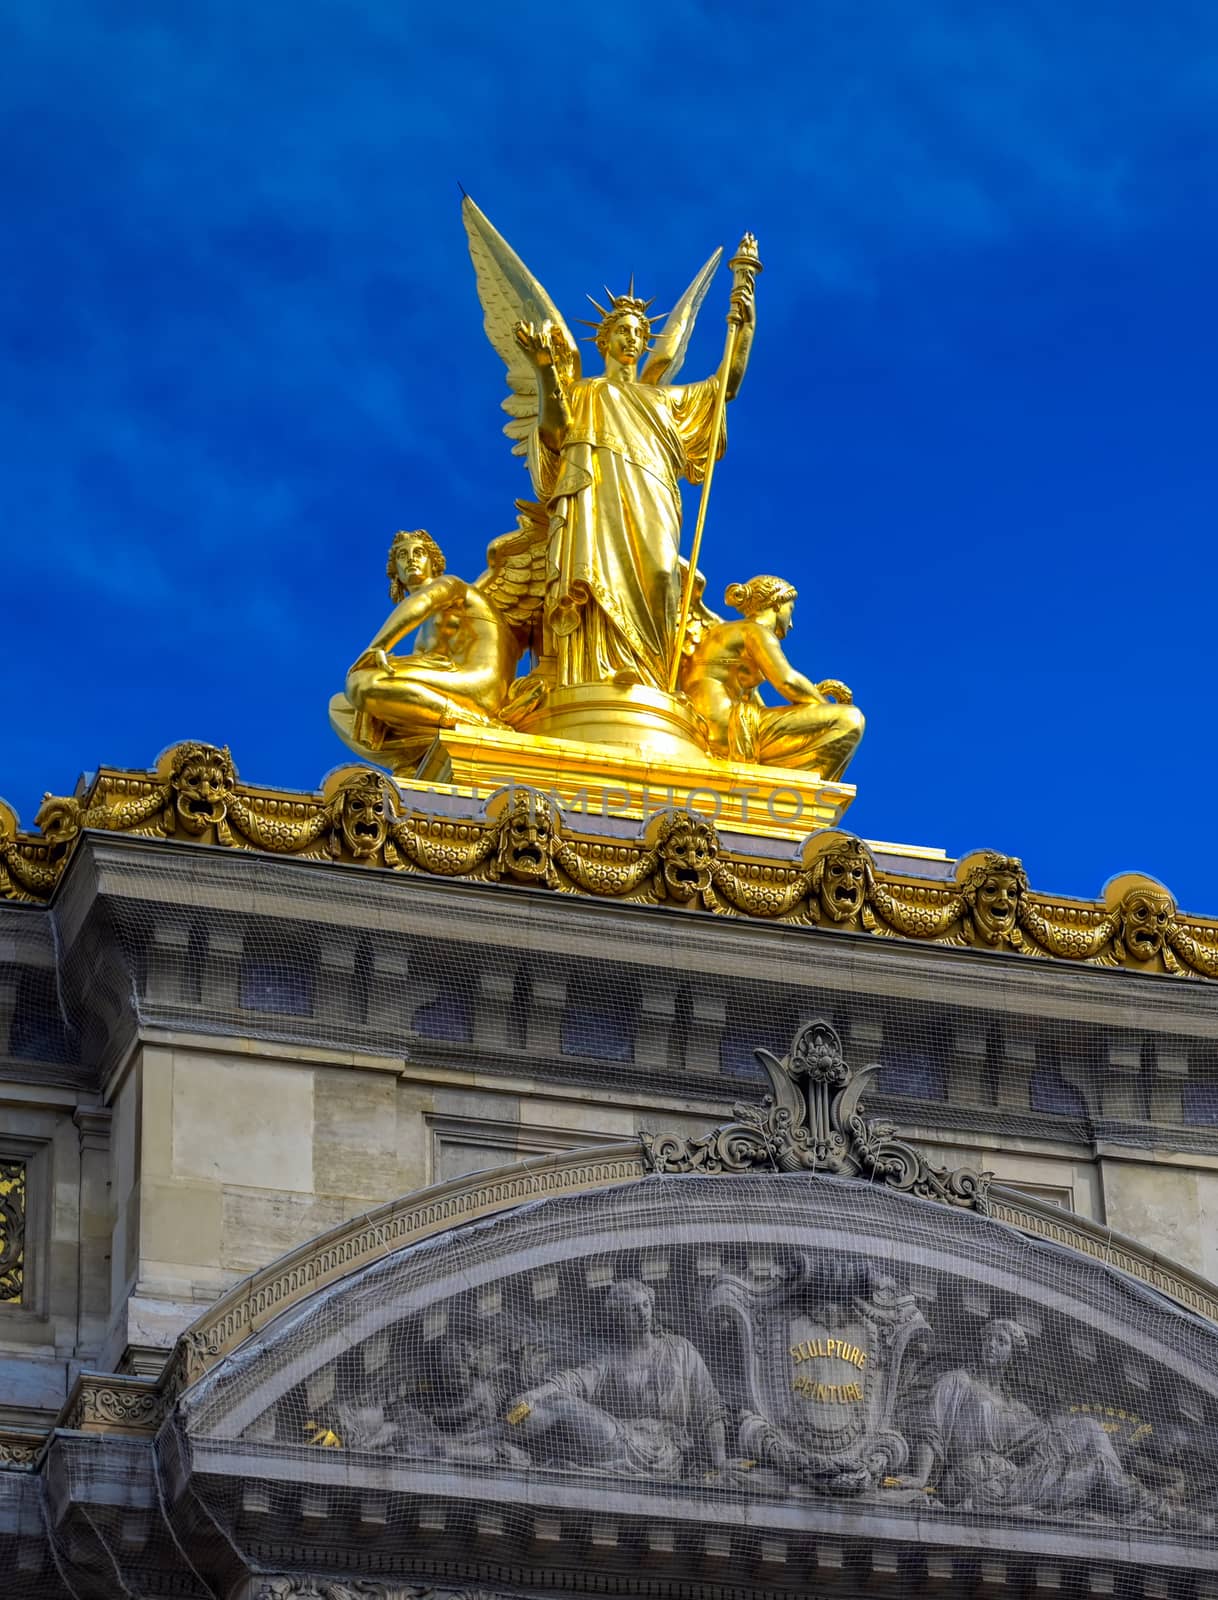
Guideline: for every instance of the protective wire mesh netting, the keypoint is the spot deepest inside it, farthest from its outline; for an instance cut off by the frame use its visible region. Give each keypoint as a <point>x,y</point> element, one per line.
<point>109,1535</point>
<point>30,1572</point>
<point>436,971</point>
<point>764,1354</point>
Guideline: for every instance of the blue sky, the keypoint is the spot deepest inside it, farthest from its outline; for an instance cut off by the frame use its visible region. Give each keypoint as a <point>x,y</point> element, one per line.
<point>242,345</point>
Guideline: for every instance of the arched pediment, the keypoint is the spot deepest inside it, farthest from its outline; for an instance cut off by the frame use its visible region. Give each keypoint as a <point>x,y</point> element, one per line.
<point>761,1357</point>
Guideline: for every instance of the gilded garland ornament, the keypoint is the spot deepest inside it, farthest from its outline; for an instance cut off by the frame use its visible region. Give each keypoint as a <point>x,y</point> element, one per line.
<point>830,885</point>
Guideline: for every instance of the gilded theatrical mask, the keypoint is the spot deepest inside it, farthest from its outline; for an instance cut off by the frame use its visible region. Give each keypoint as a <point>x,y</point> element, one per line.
<point>202,778</point>
<point>841,878</point>
<point>363,816</point>
<point>1145,916</point>
<point>991,889</point>
<point>687,847</point>
<point>526,837</point>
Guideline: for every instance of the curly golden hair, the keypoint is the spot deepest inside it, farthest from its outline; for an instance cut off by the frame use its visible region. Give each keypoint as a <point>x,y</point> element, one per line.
<point>397,589</point>
<point>758,594</point>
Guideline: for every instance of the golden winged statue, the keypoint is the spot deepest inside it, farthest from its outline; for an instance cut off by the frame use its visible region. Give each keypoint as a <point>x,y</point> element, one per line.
<point>606,455</point>
<point>589,596</point>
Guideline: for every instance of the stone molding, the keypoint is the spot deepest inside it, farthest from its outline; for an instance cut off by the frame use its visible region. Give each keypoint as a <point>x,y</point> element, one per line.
<point>1044,1220</point>
<point>118,868</point>
<point>395,1226</point>
<point>298,1588</point>
<point>316,1530</point>
<point>94,1125</point>
<point>20,1447</point>
<point>784,1568</point>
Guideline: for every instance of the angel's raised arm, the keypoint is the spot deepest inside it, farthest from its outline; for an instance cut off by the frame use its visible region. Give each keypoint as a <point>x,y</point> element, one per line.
<point>542,346</point>
<point>531,338</point>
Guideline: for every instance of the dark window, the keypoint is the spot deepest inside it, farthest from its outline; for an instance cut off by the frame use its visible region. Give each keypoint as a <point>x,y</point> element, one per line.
<point>771,1027</point>
<point>280,986</point>
<point>599,1020</point>
<point>736,1058</point>
<point>37,1031</point>
<point>196,957</point>
<point>449,1016</point>
<point>1199,1103</point>
<point>1049,1091</point>
<point>911,1073</point>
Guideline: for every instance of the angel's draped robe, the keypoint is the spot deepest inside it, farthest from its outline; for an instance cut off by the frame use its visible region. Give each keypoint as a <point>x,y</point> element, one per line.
<point>615,526</point>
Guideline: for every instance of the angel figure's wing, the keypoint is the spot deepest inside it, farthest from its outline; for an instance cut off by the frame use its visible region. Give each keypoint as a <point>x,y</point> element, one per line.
<point>668,352</point>
<point>515,578</point>
<point>510,294</point>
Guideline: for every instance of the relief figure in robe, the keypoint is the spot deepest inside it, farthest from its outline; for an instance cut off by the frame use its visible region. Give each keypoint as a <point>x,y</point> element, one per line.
<point>988,1451</point>
<point>449,1409</point>
<point>646,1408</point>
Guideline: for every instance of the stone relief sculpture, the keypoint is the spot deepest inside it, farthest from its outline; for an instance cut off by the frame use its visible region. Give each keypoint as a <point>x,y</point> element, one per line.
<point>454,1413</point>
<point>820,1350</point>
<point>820,1376</point>
<point>985,1450</point>
<point>646,1408</point>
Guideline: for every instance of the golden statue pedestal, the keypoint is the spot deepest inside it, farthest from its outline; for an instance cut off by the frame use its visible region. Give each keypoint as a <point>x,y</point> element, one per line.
<point>628,752</point>
<point>658,726</point>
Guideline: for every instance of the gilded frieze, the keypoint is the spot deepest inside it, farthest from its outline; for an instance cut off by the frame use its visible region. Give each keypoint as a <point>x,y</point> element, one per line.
<point>832,882</point>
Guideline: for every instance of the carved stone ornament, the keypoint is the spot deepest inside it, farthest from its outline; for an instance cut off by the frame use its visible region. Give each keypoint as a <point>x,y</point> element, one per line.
<point>19,1448</point>
<point>773,1340</point>
<point>834,1337</point>
<point>107,1403</point>
<point>813,1122</point>
<point>12,1231</point>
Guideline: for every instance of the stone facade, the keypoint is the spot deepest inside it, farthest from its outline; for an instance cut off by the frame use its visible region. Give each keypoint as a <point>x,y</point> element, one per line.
<point>211,1058</point>
<point>177,1123</point>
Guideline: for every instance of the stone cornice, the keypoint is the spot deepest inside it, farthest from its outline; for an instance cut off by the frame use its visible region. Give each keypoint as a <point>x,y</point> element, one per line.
<point>254,1302</point>
<point>464,912</point>
<point>832,882</point>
